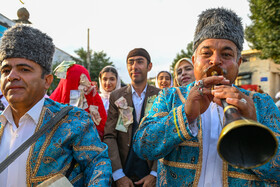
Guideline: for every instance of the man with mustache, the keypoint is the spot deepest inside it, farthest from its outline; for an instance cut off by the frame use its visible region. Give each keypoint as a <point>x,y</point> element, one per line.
<point>71,147</point>
<point>128,105</point>
<point>184,124</point>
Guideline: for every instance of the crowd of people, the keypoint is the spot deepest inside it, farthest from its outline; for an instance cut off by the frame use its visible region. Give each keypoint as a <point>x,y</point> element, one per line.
<point>132,135</point>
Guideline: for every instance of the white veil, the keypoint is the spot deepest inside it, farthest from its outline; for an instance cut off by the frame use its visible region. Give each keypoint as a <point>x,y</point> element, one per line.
<point>104,94</point>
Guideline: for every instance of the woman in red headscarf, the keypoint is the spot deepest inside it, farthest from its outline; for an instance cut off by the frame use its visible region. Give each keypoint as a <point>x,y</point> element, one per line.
<point>75,88</point>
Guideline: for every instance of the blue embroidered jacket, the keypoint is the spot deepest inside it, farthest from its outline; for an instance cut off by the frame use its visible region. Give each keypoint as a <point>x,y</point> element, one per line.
<point>164,134</point>
<point>74,137</point>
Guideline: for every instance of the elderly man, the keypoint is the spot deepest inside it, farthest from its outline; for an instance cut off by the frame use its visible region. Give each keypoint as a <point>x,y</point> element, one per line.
<point>183,126</point>
<point>71,146</point>
<point>128,105</point>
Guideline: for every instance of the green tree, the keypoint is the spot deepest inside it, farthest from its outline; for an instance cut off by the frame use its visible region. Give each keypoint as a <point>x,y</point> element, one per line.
<point>183,54</point>
<point>264,32</point>
<point>98,60</point>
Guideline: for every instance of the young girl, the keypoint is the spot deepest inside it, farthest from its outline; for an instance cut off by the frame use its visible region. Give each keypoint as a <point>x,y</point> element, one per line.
<point>164,80</point>
<point>109,81</point>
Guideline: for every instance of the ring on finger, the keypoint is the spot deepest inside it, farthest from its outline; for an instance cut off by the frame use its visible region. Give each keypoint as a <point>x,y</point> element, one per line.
<point>243,100</point>
<point>199,84</point>
<point>200,90</point>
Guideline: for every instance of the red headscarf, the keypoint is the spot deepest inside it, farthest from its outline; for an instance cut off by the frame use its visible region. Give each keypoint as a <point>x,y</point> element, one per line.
<point>62,93</point>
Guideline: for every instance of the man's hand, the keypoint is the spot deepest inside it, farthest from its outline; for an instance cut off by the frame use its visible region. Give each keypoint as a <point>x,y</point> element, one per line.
<point>198,100</point>
<point>148,181</point>
<point>236,98</point>
<point>124,182</point>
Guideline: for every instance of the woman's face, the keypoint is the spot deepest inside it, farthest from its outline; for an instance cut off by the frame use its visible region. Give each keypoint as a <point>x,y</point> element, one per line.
<point>108,81</point>
<point>164,80</point>
<point>185,73</point>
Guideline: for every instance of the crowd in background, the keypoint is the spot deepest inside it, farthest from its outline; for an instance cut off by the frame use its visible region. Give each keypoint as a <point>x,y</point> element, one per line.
<point>136,134</point>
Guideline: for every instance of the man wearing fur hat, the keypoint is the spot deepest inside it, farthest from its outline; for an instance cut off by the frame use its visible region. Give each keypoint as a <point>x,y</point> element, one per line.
<point>26,58</point>
<point>128,105</point>
<point>184,124</point>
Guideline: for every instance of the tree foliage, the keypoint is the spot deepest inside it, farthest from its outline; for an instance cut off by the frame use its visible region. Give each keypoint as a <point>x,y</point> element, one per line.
<point>264,32</point>
<point>98,60</point>
<point>183,54</point>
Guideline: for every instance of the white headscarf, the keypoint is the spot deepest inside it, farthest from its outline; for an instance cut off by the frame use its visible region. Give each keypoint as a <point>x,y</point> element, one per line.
<point>176,82</point>
<point>171,84</point>
<point>104,94</point>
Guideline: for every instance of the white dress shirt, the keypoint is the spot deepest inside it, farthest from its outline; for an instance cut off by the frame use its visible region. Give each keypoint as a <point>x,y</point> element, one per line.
<point>212,164</point>
<point>106,103</point>
<point>138,103</point>
<point>15,174</point>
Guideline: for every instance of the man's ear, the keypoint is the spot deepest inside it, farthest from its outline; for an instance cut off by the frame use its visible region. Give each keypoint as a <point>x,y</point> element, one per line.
<point>239,61</point>
<point>150,65</point>
<point>48,81</point>
<point>193,59</point>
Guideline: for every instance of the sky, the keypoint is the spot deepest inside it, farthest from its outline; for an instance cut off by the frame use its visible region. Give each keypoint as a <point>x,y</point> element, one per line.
<point>162,27</point>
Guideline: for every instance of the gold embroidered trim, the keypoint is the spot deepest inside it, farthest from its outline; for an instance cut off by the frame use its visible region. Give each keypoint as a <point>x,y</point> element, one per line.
<point>31,175</point>
<point>87,148</point>
<point>189,144</point>
<point>78,177</point>
<point>176,125</point>
<point>199,163</point>
<point>182,123</point>
<point>28,166</point>
<point>141,122</point>
<point>161,114</point>
<point>183,100</point>
<point>235,174</point>
<point>225,174</point>
<point>46,177</point>
<point>45,145</point>
<point>177,164</point>
<point>2,130</point>
<point>94,181</point>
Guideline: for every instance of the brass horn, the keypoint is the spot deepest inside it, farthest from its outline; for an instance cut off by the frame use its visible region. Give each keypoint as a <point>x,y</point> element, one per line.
<point>243,143</point>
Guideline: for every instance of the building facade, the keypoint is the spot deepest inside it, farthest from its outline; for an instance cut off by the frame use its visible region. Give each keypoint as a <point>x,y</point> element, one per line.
<point>259,72</point>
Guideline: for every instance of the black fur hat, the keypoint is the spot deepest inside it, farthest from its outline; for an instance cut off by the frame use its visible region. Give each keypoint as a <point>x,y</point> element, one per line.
<point>22,41</point>
<point>219,23</point>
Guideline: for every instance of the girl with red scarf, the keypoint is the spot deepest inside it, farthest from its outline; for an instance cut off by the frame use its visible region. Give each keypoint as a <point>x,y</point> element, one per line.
<point>75,88</point>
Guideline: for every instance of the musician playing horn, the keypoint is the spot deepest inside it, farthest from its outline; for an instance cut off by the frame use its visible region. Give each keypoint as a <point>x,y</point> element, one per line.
<point>184,124</point>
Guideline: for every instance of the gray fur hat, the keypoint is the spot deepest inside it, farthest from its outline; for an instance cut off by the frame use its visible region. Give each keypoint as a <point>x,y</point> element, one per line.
<point>219,23</point>
<point>21,41</point>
